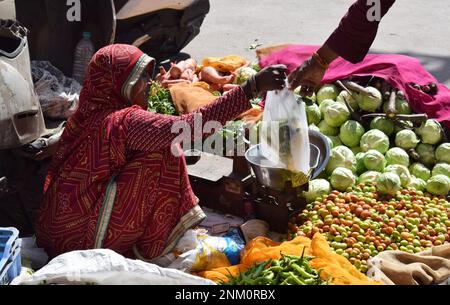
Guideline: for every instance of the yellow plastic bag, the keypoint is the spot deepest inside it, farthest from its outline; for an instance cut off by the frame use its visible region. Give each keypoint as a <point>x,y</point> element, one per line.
<point>225,64</point>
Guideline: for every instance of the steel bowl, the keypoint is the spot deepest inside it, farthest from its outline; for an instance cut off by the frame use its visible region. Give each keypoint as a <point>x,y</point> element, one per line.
<point>275,177</point>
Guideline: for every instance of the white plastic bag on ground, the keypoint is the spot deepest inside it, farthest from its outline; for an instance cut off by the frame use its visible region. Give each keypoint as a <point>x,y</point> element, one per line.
<point>32,256</point>
<point>106,267</point>
<point>199,251</point>
<point>284,132</point>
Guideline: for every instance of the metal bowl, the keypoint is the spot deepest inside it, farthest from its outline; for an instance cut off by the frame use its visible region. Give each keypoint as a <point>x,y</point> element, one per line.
<point>275,177</point>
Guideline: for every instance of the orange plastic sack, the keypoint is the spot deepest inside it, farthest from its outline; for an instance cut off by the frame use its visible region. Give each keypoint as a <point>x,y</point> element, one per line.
<point>334,266</point>
<point>225,64</point>
<point>258,250</point>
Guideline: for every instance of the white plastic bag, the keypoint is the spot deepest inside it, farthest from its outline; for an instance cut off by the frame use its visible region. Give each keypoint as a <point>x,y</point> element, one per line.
<point>106,267</point>
<point>200,251</point>
<point>284,132</point>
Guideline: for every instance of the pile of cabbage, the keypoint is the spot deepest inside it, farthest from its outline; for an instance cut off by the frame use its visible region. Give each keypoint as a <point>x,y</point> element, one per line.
<point>380,154</point>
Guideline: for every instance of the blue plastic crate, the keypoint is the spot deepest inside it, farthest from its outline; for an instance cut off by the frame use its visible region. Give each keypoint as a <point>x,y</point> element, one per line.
<point>10,258</point>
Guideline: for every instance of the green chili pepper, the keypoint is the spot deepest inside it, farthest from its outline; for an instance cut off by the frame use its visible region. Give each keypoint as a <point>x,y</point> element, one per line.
<point>310,281</point>
<point>276,269</point>
<point>302,272</point>
<point>296,279</point>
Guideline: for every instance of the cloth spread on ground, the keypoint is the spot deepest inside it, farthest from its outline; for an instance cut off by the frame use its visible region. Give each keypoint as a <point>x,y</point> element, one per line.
<point>400,268</point>
<point>188,98</point>
<point>398,70</point>
<point>334,266</point>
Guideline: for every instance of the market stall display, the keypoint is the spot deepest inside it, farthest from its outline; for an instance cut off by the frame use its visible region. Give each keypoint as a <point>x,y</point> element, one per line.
<point>361,223</point>
<point>385,183</point>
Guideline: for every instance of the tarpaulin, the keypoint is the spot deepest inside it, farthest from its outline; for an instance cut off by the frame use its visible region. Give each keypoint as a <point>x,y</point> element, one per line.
<point>398,70</point>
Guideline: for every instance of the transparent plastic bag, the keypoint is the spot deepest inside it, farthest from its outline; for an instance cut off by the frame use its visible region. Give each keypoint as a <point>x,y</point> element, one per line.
<point>58,94</point>
<point>284,133</point>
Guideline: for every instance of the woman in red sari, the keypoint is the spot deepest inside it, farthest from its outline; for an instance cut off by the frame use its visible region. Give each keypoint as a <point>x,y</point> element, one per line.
<point>114,182</point>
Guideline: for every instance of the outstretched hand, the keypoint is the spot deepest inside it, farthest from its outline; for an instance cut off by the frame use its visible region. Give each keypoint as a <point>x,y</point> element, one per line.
<point>309,75</point>
<point>271,78</point>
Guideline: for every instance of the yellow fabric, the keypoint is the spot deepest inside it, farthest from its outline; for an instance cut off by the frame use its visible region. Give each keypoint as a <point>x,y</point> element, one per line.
<point>335,267</point>
<point>225,64</point>
<point>187,97</point>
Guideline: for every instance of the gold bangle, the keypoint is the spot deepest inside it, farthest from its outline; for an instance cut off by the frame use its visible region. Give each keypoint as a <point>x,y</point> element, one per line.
<point>320,60</point>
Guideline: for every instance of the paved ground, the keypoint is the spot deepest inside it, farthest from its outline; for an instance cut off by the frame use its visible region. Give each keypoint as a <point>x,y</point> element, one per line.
<point>413,27</point>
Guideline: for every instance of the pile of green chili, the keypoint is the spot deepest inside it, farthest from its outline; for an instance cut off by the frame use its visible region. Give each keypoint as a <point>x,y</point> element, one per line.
<point>288,270</point>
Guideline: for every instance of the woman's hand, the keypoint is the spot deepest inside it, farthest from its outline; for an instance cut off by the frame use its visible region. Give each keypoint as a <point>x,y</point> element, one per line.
<point>308,75</point>
<point>268,79</point>
<point>271,78</point>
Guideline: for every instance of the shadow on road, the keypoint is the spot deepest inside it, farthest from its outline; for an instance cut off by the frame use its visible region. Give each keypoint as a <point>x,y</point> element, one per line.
<point>438,66</point>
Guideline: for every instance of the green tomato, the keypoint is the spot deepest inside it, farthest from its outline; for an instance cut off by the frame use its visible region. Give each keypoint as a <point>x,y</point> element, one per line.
<point>361,238</point>
<point>403,248</point>
<point>410,226</point>
<point>339,251</point>
<point>403,243</point>
<point>338,238</point>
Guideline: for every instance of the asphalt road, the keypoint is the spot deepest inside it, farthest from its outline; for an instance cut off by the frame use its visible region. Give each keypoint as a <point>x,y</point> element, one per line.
<point>412,27</point>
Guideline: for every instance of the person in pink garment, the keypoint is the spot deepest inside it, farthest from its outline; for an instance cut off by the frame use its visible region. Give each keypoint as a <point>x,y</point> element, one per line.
<point>351,41</point>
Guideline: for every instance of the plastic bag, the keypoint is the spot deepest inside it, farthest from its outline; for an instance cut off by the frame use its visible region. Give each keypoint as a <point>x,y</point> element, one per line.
<point>105,267</point>
<point>284,132</point>
<point>58,94</point>
<point>196,251</point>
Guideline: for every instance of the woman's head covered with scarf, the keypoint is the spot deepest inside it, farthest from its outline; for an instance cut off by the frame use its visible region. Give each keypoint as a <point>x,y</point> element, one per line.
<point>108,88</point>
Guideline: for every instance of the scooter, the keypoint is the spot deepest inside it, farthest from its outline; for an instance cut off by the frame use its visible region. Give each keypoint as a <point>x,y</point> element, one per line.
<point>160,28</point>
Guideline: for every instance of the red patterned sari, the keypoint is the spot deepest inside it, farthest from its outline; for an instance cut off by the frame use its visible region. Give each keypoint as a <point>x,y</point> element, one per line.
<point>114,182</point>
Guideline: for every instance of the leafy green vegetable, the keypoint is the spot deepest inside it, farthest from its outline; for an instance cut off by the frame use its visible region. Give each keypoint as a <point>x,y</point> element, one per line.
<point>342,178</point>
<point>383,124</point>
<point>369,103</point>
<point>397,155</point>
<point>160,100</point>
<point>438,185</point>
<point>420,171</point>
<point>328,91</point>
<point>388,183</point>
<point>375,139</point>
<point>317,188</point>
<point>430,132</point>
<point>443,153</point>
<point>406,139</point>
<point>351,133</point>
<point>374,160</point>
